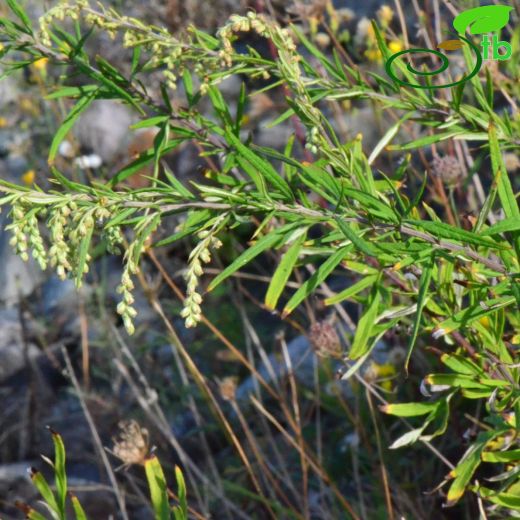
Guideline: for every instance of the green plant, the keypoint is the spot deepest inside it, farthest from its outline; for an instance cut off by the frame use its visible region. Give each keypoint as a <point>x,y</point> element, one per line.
<point>159,492</point>
<point>414,263</point>
<point>56,501</point>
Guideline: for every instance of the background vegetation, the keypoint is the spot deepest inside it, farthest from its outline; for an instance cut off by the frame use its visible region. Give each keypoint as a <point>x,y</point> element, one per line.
<point>312,321</point>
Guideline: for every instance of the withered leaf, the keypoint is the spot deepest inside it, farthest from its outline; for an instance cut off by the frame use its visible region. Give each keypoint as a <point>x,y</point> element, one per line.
<point>450,45</point>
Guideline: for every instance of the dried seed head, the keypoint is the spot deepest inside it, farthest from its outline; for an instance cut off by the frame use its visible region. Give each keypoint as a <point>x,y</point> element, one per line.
<point>132,444</point>
<point>325,340</point>
<point>448,169</point>
<point>305,10</point>
<point>227,388</point>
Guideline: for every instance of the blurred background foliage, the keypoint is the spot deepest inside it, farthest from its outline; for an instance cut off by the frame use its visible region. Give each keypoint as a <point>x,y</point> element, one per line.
<point>244,251</point>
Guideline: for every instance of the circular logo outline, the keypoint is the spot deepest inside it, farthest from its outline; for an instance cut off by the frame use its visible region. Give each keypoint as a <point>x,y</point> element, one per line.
<point>442,68</point>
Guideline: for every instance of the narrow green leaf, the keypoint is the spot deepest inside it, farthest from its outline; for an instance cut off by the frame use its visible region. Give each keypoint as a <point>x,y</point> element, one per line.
<point>78,508</point>
<point>456,381</point>
<point>136,55</point>
<point>467,466</point>
<point>371,204</point>
<point>385,140</point>
<point>188,86</point>
<point>176,183</point>
<point>470,314</point>
<point>315,280</point>
<point>501,456</point>
<point>21,14</point>
<point>360,344</point>
<point>45,491</point>
<point>263,166</point>
<point>283,271</point>
<point>439,418</point>
<point>504,226</point>
<point>121,217</point>
<point>255,175</point>
<point>461,364</point>
<point>82,256</point>
<point>150,122</point>
<point>408,438</point>
<point>241,107</point>
<point>505,190</point>
<point>120,92</point>
<point>59,471</point>
<point>67,183</point>
<point>352,290</point>
<point>147,227</point>
<point>409,409</point>
<point>158,489</point>
<point>159,143</point>
<point>317,176</point>
<point>181,492</point>
<point>144,159</point>
<point>424,285</point>
<point>220,106</point>
<point>264,243</point>
<point>355,238</point>
<point>425,141</point>
<point>68,123</point>
<point>442,230</point>
<point>71,92</point>
<point>509,500</point>
<point>29,512</point>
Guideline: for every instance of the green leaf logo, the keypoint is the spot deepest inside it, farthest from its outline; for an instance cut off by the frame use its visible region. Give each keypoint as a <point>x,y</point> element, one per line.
<point>484,19</point>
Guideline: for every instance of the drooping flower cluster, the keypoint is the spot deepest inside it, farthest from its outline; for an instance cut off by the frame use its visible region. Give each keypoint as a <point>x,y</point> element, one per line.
<point>201,254</point>
<point>59,250</point>
<point>71,223</point>
<point>165,51</point>
<point>124,308</point>
<point>26,234</point>
<point>59,12</point>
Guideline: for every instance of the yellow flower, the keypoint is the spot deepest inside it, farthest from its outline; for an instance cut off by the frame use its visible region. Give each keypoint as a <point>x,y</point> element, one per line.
<point>485,321</point>
<point>26,105</point>
<point>3,122</point>
<point>381,373</point>
<point>28,177</point>
<point>41,64</point>
<point>395,46</point>
<point>1,47</point>
<point>373,54</point>
<point>371,34</point>
<point>385,15</point>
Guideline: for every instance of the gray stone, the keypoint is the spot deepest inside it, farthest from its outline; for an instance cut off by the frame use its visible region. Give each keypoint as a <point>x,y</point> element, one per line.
<point>14,352</point>
<point>104,129</point>
<point>15,471</point>
<point>275,137</point>
<point>16,166</point>
<point>58,295</point>
<point>302,361</point>
<point>17,278</point>
<point>8,91</point>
